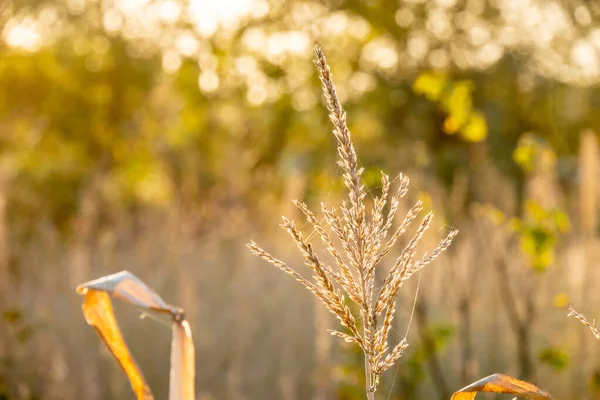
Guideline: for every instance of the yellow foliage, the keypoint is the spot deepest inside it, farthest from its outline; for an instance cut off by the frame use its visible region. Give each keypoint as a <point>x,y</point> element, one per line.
<point>561,300</point>
<point>454,99</point>
<point>533,153</point>
<point>476,128</point>
<point>431,85</point>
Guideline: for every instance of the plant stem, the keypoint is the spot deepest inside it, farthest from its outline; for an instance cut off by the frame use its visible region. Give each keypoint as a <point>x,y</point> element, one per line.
<point>368,376</point>
<point>368,367</point>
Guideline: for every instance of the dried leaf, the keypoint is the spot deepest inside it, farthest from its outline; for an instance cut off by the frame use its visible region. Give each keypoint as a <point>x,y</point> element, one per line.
<point>181,386</point>
<point>98,312</point>
<point>129,288</point>
<point>500,383</point>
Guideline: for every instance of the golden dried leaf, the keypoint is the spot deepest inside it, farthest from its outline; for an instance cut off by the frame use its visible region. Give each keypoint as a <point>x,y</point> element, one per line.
<point>500,383</point>
<point>98,312</point>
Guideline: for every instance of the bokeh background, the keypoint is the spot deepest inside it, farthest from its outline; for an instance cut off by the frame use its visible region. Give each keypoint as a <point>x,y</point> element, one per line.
<point>160,136</point>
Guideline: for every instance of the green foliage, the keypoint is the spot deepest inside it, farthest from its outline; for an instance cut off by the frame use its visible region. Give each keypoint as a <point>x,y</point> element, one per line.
<point>441,334</point>
<point>95,113</point>
<point>594,382</point>
<point>12,316</point>
<point>19,328</point>
<point>538,231</point>
<point>411,375</point>
<point>555,357</point>
<point>413,372</point>
<point>534,153</point>
<point>350,375</point>
<point>68,124</point>
<point>539,228</point>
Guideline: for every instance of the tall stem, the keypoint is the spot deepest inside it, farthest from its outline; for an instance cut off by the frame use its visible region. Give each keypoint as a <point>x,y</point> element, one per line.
<point>369,384</point>
<point>368,379</point>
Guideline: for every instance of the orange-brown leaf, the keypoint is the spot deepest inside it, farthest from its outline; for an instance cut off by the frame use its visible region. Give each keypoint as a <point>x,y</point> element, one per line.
<point>500,383</point>
<point>98,312</point>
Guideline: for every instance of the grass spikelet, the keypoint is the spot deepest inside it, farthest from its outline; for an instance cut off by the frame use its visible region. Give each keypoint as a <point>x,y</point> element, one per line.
<point>592,326</point>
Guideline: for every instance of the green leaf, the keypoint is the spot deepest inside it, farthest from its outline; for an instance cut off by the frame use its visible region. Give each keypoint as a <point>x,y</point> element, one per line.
<point>557,358</point>
<point>24,334</point>
<point>12,315</point>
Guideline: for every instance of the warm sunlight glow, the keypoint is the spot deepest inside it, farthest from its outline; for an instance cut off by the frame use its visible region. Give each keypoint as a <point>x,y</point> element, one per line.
<point>170,11</point>
<point>557,41</point>
<point>25,35</point>
<point>208,15</point>
<point>131,6</point>
<point>208,81</point>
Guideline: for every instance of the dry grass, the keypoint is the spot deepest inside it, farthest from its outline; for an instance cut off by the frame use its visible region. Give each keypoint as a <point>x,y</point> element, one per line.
<point>592,326</point>
<point>363,242</point>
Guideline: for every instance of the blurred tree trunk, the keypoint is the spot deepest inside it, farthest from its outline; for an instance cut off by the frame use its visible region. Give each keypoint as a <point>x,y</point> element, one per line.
<point>526,368</point>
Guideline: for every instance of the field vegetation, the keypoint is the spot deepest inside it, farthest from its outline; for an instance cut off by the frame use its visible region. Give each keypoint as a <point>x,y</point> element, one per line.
<point>161,136</point>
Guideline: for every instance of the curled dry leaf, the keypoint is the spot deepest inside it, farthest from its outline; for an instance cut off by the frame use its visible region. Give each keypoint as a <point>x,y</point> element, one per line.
<point>127,287</point>
<point>98,312</point>
<point>500,383</point>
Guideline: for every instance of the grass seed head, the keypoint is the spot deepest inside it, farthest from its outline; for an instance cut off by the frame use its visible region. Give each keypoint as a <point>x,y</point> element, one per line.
<point>358,244</point>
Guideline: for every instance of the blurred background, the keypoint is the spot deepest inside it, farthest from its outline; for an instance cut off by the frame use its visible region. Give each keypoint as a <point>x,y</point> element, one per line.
<point>160,136</point>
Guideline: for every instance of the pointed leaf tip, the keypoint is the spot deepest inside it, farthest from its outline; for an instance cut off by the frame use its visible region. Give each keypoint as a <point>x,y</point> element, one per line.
<point>500,383</point>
